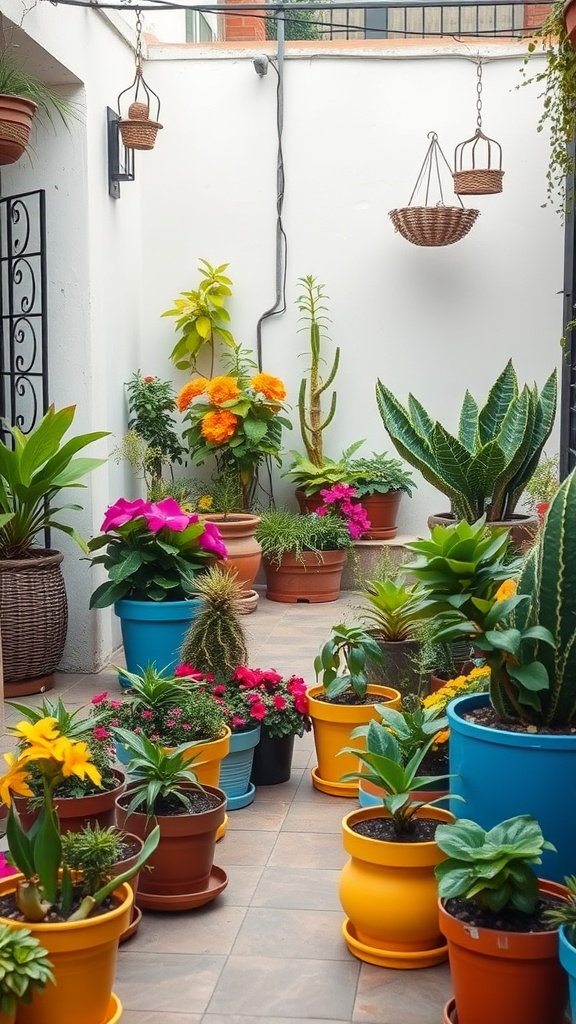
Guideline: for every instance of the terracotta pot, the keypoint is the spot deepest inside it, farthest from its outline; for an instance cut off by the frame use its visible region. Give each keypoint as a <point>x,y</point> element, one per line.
<point>569,15</point>
<point>182,863</point>
<point>523,529</point>
<point>244,551</point>
<point>74,812</point>
<point>312,578</point>
<point>382,511</point>
<point>389,893</point>
<point>16,115</point>
<point>506,976</point>
<point>83,954</point>
<point>118,869</point>
<point>332,725</point>
<point>7,1018</point>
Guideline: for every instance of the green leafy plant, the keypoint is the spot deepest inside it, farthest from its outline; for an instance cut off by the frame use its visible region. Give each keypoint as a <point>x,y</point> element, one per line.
<point>349,647</point>
<point>413,730</point>
<point>297,24</point>
<point>24,968</point>
<point>378,475</point>
<point>157,776</point>
<point>93,851</point>
<point>201,317</point>
<point>312,478</point>
<point>397,609</point>
<point>493,868</point>
<point>15,81</point>
<point>544,482</point>
<point>383,759</point>
<point>216,640</point>
<point>32,477</point>
<point>565,912</point>
<point>151,403</point>
<point>282,532</point>
<point>484,469</point>
<point>311,304</point>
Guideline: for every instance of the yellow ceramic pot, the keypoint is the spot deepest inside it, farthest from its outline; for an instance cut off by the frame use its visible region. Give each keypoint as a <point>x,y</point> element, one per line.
<point>207,758</point>
<point>389,893</point>
<point>332,725</point>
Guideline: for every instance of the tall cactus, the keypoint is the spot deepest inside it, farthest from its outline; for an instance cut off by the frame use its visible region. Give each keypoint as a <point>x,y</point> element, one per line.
<point>312,423</point>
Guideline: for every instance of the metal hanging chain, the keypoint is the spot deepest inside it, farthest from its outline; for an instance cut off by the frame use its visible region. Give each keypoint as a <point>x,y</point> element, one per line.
<point>431,168</point>
<point>479,94</point>
<point>139,81</point>
<point>139,39</point>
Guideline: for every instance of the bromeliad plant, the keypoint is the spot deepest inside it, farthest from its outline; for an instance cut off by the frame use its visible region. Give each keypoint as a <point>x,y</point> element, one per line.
<point>493,868</point>
<point>24,969</point>
<point>153,551</point>
<point>484,469</point>
<point>349,647</point>
<point>37,854</point>
<point>397,610</point>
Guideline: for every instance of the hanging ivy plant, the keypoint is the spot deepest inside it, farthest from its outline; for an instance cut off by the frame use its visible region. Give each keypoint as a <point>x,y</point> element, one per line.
<point>559,103</point>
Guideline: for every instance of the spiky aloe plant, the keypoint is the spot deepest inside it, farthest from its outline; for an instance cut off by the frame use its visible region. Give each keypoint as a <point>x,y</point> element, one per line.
<point>484,469</point>
<point>216,640</point>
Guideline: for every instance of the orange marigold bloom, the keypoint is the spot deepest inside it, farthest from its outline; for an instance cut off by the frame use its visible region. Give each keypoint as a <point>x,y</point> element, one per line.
<point>505,590</point>
<point>222,389</point>
<point>190,390</point>
<point>271,387</point>
<point>219,426</point>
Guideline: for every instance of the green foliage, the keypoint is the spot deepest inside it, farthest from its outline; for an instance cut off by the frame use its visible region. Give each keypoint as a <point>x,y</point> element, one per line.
<point>32,477</point>
<point>151,404</point>
<point>544,482</point>
<point>282,532</point>
<point>312,478</point>
<point>15,81</point>
<point>413,730</point>
<point>201,315</point>
<point>558,115</point>
<point>312,420</point>
<point>157,775</point>
<point>94,851</point>
<point>397,609</point>
<point>383,758</point>
<point>349,647</point>
<point>297,25</point>
<point>377,475</point>
<point>150,708</point>
<point>484,469</point>
<point>492,868</point>
<point>565,912</point>
<point>24,968</point>
<point>216,640</point>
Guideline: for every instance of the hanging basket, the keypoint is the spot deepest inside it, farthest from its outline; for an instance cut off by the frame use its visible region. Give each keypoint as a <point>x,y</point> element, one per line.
<point>138,129</point>
<point>478,182</point>
<point>433,225</point>
<point>437,225</point>
<point>478,161</point>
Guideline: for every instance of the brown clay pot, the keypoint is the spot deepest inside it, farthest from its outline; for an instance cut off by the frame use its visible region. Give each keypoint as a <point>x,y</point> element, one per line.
<point>74,812</point>
<point>381,509</point>
<point>244,551</point>
<point>182,862</point>
<point>506,976</point>
<point>16,115</point>
<point>312,578</point>
<point>523,529</point>
<point>569,15</point>
<point>118,869</point>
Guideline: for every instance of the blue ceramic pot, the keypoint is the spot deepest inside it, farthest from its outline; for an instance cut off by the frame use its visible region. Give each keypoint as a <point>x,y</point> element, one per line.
<point>237,767</point>
<point>501,774</point>
<point>568,961</point>
<point>153,632</point>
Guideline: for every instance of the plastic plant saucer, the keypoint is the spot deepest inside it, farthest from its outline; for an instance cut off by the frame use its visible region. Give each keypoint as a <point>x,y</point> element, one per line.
<point>186,901</point>
<point>133,926</point>
<point>114,1010</point>
<point>222,830</point>
<point>400,959</point>
<point>349,789</point>
<point>243,799</point>
<point>451,1017</point>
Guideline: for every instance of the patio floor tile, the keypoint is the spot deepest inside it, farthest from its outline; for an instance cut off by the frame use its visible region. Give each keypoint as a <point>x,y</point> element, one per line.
<point>166,981</point>
<point>314,934</point>
<point>313,852</point>
<point>410,997</point>
<point>298,889</point>
<point>209,930</point>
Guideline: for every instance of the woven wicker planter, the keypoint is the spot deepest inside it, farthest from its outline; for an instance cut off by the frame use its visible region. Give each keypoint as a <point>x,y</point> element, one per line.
<point>16,115</point>
<point>34,620</point>
<point>478,182</point>
<point>433,225</point>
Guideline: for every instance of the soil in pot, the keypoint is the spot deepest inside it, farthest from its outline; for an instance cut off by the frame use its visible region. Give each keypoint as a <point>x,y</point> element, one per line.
<point>10,911</point>
<point>489,717</point>
<point>420,830</point>
<point>508,919</point>
<point>197,803</point>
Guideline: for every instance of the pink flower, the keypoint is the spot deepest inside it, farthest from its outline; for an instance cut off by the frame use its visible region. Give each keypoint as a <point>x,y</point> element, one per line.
<point>238,722</point>
<point>211,540</point>
<point>186,726</point>
<point>123,512</point>
<point>301,704</point>
<point>6,869</point>
<point>246,676</point>
<point>171,723</point>
<point>176,712</point>
<point>187,670</point>
<point>253,698</point>
<point>138,730</point>
<point>167,513</point>
<point>100,733</point>
<point>337,492</point>
<point>258,711</point>
<point>148,379</point>
<point>147,713</point>
<point>279,702</point>
<point>115,721</point>
<point>271,678</point>
<point>154,737</point>
<point>114,704</point>
<point>99,697</point>
<point>218,691</point>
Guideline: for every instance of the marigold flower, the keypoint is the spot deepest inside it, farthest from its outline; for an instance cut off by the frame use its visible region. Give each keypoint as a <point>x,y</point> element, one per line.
<point>205,502</point>
<point>14,781</point>
<point>271,387</point>
<point>190,390</point>
<point>505,590</point>
<point>222,389</point>
<point>219,426</point>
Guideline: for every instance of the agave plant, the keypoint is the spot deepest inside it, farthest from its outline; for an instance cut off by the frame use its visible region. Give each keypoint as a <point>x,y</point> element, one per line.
<point>396,609</point>
<point>484,469</point>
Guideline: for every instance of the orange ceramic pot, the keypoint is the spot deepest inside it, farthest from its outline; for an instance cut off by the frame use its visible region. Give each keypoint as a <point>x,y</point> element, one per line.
<point>332,725</point>
<point>83,954</point>
<point>389,894</point>
<point>506,976</point>
<point>244,551</point>
<point>7,1018</point>
<point>313,578</point>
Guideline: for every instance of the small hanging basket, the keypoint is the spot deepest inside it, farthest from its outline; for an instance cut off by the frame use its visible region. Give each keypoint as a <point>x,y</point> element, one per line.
<point>138,129</point>
<point>477,181</point>
<point>432,225</point>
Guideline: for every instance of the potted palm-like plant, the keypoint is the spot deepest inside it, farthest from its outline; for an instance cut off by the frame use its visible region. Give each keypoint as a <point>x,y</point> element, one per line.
<point>21,97</point>
<point>495,915</point>
<point>395,616</point>
<point>35,475</point>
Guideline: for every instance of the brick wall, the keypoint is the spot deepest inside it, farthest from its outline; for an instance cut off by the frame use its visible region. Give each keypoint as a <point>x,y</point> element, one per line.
<point>535,14</point>
<point>243,27</point>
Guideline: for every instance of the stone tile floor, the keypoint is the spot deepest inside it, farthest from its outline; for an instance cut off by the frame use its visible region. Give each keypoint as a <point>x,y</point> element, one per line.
<point>270,947</point>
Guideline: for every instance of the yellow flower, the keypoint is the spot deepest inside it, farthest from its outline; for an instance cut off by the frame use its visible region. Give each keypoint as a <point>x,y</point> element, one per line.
<point>219,426</point>
<point>222,389</point>
<point>505,590</point>
<point>205,502</point>
<point>76,760</point>
<point>40,733</point>
<point>15,780</point>
<point>190,390</point>
<point>456,688</point>
<point>271,387</point>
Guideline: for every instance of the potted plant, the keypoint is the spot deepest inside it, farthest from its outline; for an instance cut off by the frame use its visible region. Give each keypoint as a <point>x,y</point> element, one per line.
<point>514,746</point>
<point>303,555</point>
<point>341,701</point>
<point>502,946</point>
<point>21,97</point>
<point>25,969</point>
<point>483,471</point>
<point>387,889</point>
<point>151,441</point>
<point>152,553</point>
<point>34,477</point>
<point>543,484</point>
<point>564,916</point>
<point>395,615</point>
<point>165,789</point>
<point>79,930</point>
<point>380,483</point>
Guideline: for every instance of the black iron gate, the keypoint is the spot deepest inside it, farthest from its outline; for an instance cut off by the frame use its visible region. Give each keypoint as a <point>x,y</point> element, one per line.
<point>23,319</point>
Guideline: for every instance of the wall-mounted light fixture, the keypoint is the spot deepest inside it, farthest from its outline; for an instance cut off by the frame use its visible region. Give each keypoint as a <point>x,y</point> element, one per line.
<point>120,158</point>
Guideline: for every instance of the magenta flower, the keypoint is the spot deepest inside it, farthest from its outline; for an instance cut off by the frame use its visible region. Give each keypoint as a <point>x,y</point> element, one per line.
<point>114,704</point>
<point>279,702</point>
<point>6,869</point>
<point>147,714</point>
<point>100,733</point>
<point>211,540</point>
<point>238,722</point>
<point>123,512</point>
<point>258,711</point>
<point>186,726</point>
<point>99,697</point>
<point>167,513</point>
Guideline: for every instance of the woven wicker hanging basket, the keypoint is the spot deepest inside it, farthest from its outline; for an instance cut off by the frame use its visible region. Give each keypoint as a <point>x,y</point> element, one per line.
<point>473,180</point>
<point>428,225</point>
<point>138,129</point>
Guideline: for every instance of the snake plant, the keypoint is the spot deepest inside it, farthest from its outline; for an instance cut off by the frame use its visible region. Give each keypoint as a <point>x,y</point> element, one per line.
<point>484,469</point>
